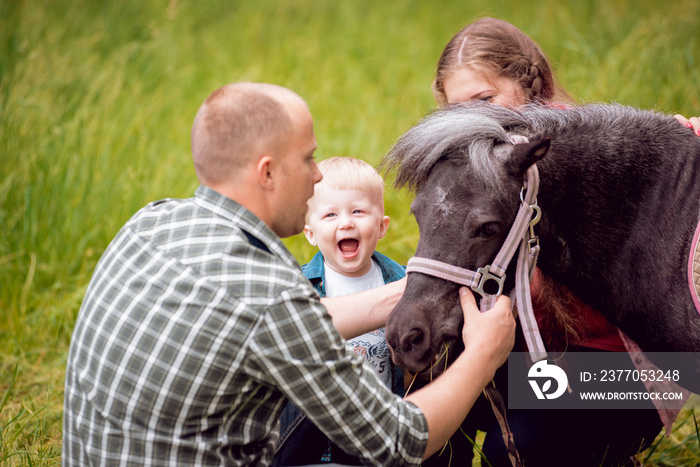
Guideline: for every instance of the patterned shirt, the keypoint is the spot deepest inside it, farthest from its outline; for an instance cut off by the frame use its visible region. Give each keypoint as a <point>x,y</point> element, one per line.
<point>191,339</point>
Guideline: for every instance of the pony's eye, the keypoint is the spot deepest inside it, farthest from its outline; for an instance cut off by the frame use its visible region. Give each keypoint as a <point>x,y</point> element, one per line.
<point>489,229</point>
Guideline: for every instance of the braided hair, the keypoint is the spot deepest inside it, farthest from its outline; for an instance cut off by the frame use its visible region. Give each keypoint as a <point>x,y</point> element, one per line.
<point>497,48</point>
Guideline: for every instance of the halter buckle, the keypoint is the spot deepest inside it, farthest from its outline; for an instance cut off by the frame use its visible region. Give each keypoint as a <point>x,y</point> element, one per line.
<point>537,214</point>
<point>487,275</point>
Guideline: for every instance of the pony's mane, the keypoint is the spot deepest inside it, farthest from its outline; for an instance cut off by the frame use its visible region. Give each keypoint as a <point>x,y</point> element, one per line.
<point>457,132</point>
<point>470,132</point>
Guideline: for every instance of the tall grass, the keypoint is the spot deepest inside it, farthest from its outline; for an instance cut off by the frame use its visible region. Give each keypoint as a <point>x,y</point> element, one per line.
<point>97,99</point>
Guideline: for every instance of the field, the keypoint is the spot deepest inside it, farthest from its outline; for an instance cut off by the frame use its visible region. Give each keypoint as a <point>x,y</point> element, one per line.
<point>97,100</point>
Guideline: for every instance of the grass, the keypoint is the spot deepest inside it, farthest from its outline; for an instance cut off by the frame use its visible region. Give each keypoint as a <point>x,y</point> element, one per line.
<point>97,99</point>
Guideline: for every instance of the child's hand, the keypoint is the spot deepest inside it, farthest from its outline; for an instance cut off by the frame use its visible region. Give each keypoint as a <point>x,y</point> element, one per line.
<point>692,123</point>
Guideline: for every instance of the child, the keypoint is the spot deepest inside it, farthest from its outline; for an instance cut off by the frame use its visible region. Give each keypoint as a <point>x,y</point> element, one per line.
<point>345,220</point>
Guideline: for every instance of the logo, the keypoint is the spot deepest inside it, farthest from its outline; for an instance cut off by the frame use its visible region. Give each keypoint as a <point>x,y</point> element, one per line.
<point>543,370</point>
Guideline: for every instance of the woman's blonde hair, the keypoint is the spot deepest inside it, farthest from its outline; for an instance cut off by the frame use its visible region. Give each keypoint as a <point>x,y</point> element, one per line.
<point>497,48</point>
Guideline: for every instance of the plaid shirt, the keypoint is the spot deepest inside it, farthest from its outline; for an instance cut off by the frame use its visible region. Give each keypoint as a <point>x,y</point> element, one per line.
<point>190,340</point>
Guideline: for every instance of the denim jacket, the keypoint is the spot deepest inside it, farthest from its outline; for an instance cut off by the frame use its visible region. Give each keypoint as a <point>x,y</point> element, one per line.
<point>297,432</point>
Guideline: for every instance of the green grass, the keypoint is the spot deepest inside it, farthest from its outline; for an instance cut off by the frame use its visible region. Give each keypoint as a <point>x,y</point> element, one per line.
<point>97,99</point>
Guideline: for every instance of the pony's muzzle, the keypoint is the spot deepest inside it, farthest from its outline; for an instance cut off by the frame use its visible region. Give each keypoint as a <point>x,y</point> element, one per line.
<point>410,347</point>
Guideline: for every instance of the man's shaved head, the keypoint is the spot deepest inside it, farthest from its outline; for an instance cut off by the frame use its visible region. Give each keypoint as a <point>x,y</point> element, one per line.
<point>236,123</point>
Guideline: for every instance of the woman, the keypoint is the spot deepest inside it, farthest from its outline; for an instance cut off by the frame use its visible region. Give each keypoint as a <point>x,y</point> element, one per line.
<point>513,66</point>
<point>492,60</point>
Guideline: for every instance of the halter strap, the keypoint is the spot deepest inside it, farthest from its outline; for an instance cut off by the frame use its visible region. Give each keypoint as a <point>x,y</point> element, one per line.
<point>521,235</point>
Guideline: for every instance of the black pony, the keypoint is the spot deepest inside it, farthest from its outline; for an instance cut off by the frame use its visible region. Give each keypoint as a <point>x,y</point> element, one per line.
<point>620,202</point>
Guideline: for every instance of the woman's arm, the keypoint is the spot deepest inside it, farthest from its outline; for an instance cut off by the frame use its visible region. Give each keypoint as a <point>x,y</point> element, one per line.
<point>366,311</point>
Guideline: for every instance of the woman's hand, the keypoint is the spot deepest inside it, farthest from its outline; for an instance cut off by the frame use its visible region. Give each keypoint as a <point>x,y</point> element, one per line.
<point>692,123</point>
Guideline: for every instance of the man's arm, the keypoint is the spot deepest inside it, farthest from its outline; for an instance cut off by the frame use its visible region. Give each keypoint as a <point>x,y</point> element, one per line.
<point>334,389</point>
<point>488,339</point>
<point>366,311</point>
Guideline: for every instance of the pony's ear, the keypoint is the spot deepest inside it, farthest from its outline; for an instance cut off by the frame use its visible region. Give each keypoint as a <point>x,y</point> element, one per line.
<point>526,154</point>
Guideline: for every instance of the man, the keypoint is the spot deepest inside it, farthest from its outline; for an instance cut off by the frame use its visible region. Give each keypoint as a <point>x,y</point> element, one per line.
<point>198,324</point>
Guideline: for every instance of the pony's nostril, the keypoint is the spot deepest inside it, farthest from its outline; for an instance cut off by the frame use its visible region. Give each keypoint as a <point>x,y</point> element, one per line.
<point>414,339</point>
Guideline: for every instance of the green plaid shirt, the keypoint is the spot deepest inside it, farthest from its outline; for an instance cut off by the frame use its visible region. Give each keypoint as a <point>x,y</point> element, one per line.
<point>190,340</point>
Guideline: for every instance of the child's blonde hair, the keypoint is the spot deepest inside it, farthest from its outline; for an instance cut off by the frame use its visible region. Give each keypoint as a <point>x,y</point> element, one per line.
<point>349,173</point>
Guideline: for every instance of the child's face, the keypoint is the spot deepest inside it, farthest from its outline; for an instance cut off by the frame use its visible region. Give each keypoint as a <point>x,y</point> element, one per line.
<point>346,225</point>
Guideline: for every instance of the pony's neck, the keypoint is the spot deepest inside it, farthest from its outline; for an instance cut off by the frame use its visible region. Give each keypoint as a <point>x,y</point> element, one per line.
<point>600,198</point>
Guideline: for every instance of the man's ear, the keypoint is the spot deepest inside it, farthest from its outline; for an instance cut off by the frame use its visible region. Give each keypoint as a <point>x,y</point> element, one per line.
<point>309,235</point>
<point>384,226</point>
<point>264,171</point>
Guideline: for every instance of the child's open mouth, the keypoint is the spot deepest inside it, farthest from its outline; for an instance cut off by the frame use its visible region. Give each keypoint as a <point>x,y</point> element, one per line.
<point>349,247</point>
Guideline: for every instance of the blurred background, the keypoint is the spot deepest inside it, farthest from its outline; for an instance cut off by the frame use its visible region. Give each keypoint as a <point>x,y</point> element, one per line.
<point>97,100</point>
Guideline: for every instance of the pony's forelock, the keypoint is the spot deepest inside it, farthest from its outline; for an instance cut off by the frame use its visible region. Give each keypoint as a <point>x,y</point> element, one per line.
<point>456,132</point>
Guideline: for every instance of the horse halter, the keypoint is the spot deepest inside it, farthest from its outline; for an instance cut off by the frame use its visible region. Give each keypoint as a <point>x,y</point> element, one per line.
<point>521,235</point>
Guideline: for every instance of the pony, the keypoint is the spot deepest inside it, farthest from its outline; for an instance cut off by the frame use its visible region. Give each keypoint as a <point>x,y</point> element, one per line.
<point>619,198</point>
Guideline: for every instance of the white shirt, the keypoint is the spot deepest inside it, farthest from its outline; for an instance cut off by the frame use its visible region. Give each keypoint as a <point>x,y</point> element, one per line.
<point>371,345</point>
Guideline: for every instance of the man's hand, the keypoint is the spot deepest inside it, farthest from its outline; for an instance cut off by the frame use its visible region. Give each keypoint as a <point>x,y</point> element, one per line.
<point>488,339</point>
<point>492,331</point>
